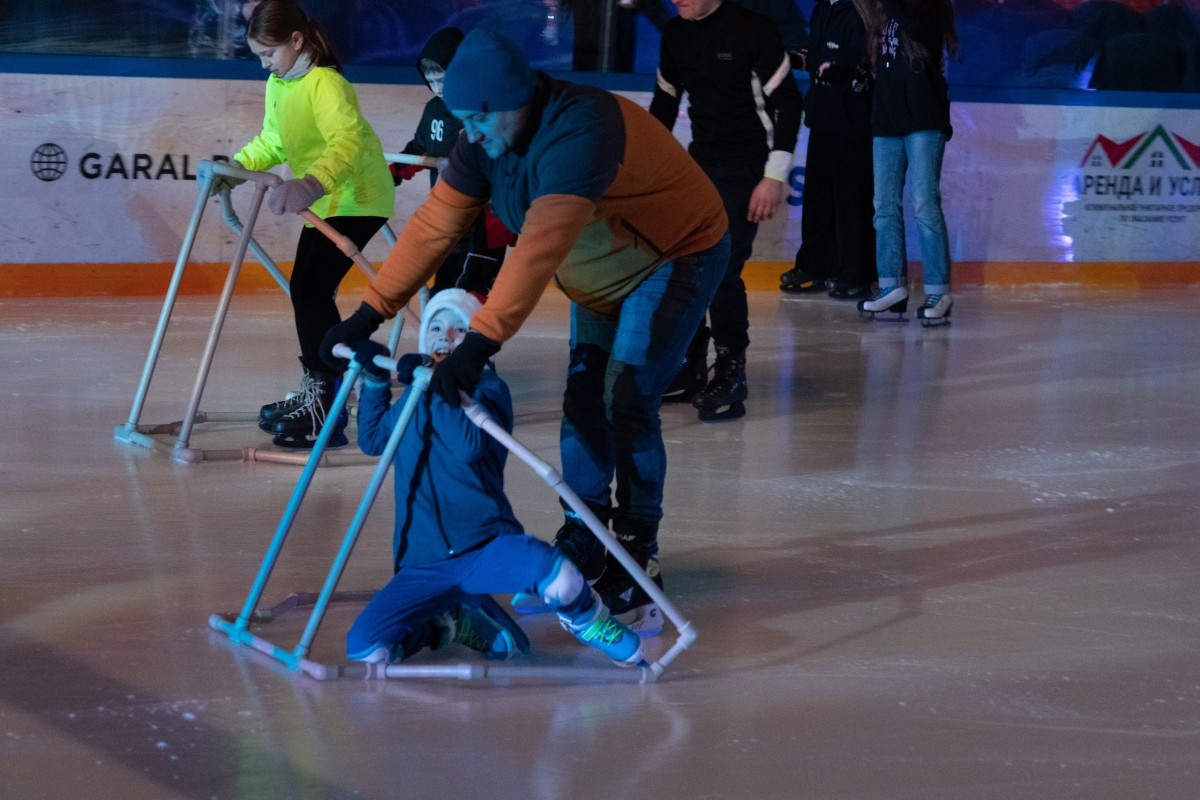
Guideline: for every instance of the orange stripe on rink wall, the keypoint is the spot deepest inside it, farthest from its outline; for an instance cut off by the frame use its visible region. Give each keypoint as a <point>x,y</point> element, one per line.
<point>152,280</point>
<point>764,275</point>
<point>137,280</point>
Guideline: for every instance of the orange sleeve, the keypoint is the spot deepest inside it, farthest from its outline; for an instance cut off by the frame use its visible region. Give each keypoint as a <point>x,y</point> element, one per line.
<point>421,247</point>
<point>552,225</point>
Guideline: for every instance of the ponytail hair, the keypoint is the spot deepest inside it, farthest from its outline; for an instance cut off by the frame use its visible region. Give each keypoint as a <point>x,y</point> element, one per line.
<point>916,54</point>
<point>274,21</point>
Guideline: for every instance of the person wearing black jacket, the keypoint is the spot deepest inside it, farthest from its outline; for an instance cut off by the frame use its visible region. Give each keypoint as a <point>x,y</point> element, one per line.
<point>473,263</point>
<point>910,120</point>
<point>745,112</point>
<point>838,236</point>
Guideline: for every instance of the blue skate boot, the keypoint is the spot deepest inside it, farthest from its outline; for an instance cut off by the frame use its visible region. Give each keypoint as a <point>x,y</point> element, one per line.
<point>482,625</point>
<point>598,629</point>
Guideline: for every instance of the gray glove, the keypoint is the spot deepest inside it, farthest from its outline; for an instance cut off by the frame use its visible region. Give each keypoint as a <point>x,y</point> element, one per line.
<point>293,196</point>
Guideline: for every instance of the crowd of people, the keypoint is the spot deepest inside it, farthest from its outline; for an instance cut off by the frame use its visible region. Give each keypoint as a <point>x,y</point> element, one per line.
<point>647,239</point>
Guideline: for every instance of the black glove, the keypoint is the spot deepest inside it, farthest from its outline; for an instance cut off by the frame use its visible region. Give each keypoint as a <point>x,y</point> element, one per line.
<point>365,351</point>
<point>407,364</point>
<point>461,370</point>
<point>354,328</point>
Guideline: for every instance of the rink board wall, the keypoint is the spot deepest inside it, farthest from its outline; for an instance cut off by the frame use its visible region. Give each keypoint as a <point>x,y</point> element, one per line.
<point>100,180</point>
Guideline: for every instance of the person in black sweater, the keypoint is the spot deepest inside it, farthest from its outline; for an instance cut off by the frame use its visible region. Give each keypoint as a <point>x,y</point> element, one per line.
<point>745,112</point>
<point>837,250</point>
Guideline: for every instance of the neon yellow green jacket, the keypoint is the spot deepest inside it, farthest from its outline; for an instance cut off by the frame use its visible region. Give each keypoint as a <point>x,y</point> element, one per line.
<point>313,123</point>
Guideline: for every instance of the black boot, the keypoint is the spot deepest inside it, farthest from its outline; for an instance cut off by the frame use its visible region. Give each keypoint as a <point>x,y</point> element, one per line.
<point>298,429</point>
<point>693,371</point>
<point>623,595</point>
<point>723,397</point>
<point>578,543</point>
<point>271,412</point>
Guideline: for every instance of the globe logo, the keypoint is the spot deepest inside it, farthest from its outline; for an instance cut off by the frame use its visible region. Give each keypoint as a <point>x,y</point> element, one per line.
<point>49,162</point>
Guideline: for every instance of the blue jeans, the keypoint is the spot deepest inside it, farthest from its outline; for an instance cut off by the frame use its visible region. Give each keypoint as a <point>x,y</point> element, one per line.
<point>402,615</point>
<point>619,368</point>
<point>920,155</point>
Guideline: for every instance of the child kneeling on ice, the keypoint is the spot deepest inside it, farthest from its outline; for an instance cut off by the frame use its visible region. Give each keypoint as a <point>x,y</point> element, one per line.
<point>456,539</point>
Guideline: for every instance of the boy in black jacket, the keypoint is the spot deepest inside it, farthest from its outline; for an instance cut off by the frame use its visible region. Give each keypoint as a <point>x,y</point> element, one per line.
<point>473,264</point>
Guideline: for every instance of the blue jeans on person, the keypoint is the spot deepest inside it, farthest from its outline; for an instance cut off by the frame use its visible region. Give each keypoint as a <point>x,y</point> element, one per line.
<point>402,616</point>
<point>619,368</point>
<point>920,156</point>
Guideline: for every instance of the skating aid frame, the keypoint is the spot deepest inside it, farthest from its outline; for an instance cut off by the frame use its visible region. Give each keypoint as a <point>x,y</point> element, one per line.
<point>141,434</point>
<point>237,628</point>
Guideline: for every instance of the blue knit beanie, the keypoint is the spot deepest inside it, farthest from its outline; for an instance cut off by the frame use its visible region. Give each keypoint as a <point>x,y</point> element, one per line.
<point>488,73</point>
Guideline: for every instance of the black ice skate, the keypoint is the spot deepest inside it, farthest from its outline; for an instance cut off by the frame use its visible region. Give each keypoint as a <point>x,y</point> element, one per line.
<point>892,300</point>
<point>796,281</point>
<point>578,543</point>
<point>270,413</point>
<point>628,602</point>
<point>299,429</point>
<point>693,371</point>
<point>935,312</point>
<point>725,394</point>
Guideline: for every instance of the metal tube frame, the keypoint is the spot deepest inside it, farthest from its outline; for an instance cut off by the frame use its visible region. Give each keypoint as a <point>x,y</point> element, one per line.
<point>237,628</point>
<point>132,431</point>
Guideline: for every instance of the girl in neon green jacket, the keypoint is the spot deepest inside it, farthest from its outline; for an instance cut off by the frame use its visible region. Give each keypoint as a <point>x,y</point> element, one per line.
<point>312,123</point>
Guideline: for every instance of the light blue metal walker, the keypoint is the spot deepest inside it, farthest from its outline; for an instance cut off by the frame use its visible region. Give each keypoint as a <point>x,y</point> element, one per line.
<point>153,436</point>
<point>237,628</point>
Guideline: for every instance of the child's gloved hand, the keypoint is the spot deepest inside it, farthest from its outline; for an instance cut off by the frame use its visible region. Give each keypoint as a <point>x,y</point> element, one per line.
<point>462,369</point>
<point>295,195</point>
<point>365,351</point>
<point>404,172</point>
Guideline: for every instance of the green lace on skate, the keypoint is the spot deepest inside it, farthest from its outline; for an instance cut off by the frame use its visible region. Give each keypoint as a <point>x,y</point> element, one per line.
<point>466,635</point>
<point>607,631</point>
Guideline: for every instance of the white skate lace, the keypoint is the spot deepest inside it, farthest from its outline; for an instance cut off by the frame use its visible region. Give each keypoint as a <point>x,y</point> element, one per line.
<point>312,404</point>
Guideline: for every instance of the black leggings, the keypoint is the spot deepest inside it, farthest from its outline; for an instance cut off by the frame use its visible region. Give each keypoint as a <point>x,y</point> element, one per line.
<point>320,267</point>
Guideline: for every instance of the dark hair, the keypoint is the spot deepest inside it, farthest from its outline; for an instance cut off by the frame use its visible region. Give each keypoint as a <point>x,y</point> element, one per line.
<point>274,21</point>
<point>916,54</point>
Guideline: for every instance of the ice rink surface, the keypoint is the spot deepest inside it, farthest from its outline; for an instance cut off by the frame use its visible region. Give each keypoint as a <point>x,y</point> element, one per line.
<point>947,564</point>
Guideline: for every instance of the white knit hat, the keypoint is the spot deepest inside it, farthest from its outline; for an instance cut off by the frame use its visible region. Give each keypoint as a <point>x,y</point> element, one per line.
<point>463,303</point>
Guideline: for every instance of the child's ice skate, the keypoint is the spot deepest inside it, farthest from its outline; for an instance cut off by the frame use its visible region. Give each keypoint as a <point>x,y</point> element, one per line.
<point>271,413</point>
<point>890,300</point>
<point>299,428</point>
<point>482,625</point>
<point>935,312</point>
<point>597,628</point>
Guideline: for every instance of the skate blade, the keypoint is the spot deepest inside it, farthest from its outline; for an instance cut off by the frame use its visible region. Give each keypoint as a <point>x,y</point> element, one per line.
<point>935,322</point>
<point>722,413</point>
<point>306,442</point>
<point>529,604</point>
<point>874,316</point>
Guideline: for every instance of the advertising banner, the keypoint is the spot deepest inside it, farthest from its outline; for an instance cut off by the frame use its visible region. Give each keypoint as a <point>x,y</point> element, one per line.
<point>102,171</point>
